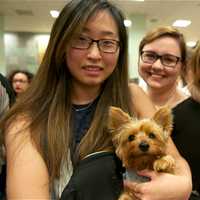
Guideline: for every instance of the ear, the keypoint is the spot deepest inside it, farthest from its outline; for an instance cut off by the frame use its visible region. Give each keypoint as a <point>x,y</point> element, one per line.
<point>164,118</point>
<point>116,118</point>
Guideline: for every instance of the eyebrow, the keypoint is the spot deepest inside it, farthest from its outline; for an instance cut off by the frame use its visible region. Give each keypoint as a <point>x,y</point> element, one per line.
<point>107,33</point>
<point>165,54</point>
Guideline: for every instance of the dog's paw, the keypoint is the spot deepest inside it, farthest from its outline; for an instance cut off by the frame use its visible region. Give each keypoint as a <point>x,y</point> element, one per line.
<point>164,164</point>
<point>126,196</point>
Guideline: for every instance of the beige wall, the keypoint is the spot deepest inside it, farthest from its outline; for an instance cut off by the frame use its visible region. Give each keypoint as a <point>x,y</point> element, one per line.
<point>2,53</point>
<point>24,50</point>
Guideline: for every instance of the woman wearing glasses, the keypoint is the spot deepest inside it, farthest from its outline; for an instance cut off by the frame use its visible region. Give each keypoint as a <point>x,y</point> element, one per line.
<point>162,58</point>
<point>20,80</point>
<point>60,123</point>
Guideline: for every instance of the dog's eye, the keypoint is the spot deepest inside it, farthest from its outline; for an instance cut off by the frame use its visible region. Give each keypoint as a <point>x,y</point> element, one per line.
<point>131,138</point>
<point>152,135</point>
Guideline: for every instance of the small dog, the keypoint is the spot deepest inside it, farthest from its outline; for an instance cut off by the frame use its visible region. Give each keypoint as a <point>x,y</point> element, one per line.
<point>141,144</point>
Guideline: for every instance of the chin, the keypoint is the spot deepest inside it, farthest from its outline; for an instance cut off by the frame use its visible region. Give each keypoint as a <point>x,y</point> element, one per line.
<point>155,85</point>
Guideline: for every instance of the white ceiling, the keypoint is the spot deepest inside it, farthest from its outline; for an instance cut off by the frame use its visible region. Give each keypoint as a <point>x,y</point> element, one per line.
<point>33,15</point>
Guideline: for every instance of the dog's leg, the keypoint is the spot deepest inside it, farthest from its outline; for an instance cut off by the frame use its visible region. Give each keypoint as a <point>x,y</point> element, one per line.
<point>126,196</point>
<point>164,164</point>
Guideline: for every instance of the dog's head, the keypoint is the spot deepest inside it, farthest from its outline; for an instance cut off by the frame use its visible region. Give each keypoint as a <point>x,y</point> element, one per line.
<point>139,142</point>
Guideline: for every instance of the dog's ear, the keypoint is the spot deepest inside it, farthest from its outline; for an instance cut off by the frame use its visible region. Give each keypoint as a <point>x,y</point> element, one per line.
<point>164,118</point>
<point>116,118</point>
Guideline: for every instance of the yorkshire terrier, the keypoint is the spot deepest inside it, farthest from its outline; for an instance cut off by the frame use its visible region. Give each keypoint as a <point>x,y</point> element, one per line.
<point>141,144</point>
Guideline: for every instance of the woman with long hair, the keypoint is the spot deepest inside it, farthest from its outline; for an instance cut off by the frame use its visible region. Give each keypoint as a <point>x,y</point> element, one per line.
<point>61,120</point>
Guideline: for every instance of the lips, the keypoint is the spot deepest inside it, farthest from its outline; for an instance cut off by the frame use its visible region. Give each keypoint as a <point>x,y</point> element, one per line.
<point>93,70</point>
<point>156,75</point>
<point>92,67</point>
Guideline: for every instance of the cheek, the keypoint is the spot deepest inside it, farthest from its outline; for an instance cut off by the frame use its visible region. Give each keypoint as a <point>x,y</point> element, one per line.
<point>73,59</point>
<point>111,60</point>
<point>70,58</point>
<point>174,73</point>
<point>26,85</point>
<point>143,68</point>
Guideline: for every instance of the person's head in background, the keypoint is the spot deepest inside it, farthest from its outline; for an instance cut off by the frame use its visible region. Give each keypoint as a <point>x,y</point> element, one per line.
<point>162,58</point>
<point>20,80</point>
<point>86,57</point>
<point>194,81</point>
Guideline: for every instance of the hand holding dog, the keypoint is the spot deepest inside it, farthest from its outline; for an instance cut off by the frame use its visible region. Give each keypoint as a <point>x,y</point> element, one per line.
<point>154,190</point>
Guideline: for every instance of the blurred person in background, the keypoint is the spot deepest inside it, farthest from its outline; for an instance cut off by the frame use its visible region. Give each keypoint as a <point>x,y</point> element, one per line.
<point>20,80</point>
<point>186,131</point>
<point>7,98</point>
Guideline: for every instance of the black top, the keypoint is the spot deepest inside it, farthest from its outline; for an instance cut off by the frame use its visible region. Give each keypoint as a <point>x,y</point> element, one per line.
<point>97,177</point>
<point>82,116</point>
<point>186,135</point>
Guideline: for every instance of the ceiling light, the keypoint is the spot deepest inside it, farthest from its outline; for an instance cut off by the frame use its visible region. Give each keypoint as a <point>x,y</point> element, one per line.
<point>127,22</point>
<point>54,13</point>
<point>181,23</point>
<point>137,0</point>
<point>191,44</point>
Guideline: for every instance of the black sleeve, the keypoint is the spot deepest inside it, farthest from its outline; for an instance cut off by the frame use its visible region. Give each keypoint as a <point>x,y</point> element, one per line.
<point>4,81</point>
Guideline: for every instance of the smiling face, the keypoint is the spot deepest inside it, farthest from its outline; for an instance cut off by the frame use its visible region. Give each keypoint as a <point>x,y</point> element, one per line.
<point>91,67</point>
<point>156,75</point>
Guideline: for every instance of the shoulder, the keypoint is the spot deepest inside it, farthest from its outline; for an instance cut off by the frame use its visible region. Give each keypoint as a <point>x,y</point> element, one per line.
<point>22,158</point>
<point>17,133</point>
<point>184,105</point>
<point>17,123</point>
<point>137,92</point>
<point>142,105</point>
<point>187,110</point>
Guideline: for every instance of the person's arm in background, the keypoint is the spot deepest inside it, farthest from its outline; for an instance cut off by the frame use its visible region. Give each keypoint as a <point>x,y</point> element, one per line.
<point>163,186</point>
<point>9,90</point>
<point>27,174</point>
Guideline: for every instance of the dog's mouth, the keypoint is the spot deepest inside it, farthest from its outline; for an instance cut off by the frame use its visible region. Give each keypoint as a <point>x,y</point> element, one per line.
<point>143,155</point>
<point>140,161</point>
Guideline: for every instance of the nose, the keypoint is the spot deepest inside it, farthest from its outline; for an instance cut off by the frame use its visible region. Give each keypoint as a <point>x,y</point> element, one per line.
<point>157,64</point>
<point>94,52</point>
<point>17,83</point>
<point>144,146</point>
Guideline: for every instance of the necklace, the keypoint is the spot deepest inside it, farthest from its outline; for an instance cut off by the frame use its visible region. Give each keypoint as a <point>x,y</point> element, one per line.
<point>169,100</point>
<point>79,108</point>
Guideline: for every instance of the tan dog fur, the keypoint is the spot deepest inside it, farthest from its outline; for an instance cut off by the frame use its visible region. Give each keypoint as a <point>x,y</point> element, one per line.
<point>141,144</point>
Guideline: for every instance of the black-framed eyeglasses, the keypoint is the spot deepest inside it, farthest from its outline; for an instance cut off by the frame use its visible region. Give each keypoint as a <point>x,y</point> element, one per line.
<point>19,81</point>
<point>167,60</point>
<point>104,45</point>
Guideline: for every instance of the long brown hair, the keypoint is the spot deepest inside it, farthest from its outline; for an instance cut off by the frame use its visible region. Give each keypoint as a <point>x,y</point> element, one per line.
<point>48,100</point>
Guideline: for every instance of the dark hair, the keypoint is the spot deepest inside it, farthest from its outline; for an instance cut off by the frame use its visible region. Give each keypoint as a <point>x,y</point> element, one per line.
<point>48,100</point>
<point>28,74</point>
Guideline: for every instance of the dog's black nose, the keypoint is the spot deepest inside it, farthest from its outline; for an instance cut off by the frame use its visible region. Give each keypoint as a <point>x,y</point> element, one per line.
<point>144,146</point>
